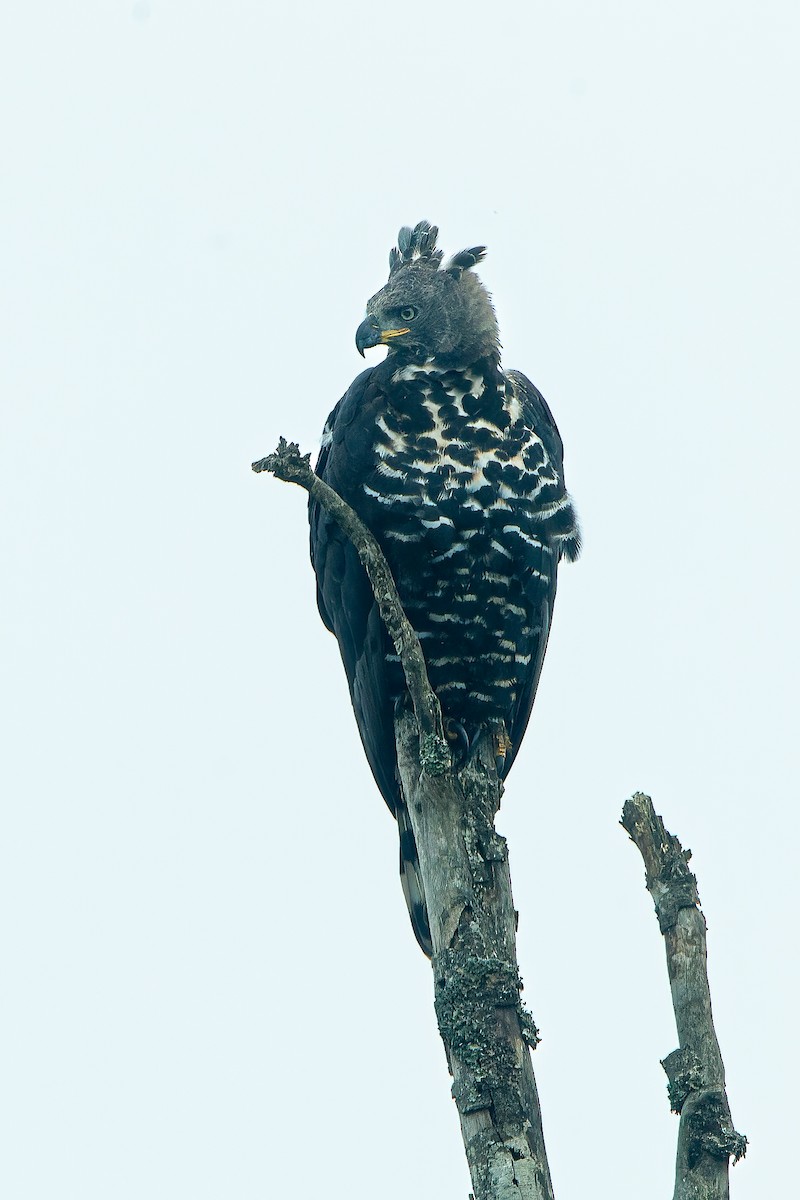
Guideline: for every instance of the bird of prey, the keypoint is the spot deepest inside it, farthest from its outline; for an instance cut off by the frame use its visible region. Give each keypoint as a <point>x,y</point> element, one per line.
<point>455,465</point>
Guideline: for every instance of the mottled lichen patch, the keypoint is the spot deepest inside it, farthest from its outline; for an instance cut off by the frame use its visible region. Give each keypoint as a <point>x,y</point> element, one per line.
<point>471,994</point>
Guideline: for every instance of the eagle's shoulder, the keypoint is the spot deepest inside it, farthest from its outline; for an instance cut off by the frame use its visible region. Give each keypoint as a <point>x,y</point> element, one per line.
<point>345,451</point>
<point>538,417</point>
<point>346,444</point>
<point>562,522</point>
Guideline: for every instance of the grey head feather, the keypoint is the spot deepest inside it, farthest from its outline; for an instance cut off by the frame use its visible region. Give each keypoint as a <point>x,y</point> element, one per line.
<point>465,259</point>
<point>415,245</point>
<point>454,323</point>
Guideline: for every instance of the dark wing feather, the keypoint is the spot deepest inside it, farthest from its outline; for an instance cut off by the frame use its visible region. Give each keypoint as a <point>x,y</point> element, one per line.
<point>344,595</point>
<point>347,606</point>
<point>539,418</point>
<point>542,597</point>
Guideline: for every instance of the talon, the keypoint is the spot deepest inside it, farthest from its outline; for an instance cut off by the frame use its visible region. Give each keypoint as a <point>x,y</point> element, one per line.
<point>454,731</point>
<point>502,745</point>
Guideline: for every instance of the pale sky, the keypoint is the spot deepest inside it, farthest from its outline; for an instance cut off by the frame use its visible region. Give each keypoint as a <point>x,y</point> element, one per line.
<point>211,987</point>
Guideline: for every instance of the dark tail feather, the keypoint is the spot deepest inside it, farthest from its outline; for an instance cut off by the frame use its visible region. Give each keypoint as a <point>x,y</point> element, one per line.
<point>411,882</point>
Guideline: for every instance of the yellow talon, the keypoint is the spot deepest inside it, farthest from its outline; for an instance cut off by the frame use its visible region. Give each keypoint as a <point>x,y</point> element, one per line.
<point>502,745</point>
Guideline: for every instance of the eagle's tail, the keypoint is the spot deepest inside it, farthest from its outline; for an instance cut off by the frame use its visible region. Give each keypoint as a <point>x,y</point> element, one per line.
<point>411,881</point>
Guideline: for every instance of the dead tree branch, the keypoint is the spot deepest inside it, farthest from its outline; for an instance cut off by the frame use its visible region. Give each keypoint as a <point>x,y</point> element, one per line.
<point>487,1032</point>
<point>464,867</point>
<point>288,464</point>
<point>707,1139</point>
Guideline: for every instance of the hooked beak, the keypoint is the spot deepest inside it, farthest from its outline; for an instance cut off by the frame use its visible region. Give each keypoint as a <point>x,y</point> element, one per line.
<point>368,334</point>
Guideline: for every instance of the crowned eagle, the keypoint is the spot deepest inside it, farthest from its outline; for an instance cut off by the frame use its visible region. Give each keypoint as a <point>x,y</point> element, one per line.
<point>456,466</point>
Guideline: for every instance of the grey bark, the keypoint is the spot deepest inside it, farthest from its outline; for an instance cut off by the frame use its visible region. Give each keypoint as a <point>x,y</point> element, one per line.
<point>707,1139</point>
<point>486,1032</point>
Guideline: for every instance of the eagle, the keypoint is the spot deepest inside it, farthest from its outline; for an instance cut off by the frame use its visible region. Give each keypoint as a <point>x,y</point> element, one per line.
<point>456,466</point>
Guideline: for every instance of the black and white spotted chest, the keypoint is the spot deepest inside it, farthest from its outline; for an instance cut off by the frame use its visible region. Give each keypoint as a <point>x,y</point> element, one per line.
<point>460,491</point>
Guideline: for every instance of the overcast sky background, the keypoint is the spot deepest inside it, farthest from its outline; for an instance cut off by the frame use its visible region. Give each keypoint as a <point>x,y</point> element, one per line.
<point>211,986</point>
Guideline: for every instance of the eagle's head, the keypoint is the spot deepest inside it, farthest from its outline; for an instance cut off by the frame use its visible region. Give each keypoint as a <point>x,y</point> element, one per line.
<point>429,311</point>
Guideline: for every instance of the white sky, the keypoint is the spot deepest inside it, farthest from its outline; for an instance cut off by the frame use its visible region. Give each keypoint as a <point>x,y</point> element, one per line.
<point>211,987</point>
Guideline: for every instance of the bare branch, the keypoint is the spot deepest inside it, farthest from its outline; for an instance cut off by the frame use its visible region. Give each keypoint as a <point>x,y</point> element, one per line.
<point>707,1139</point>
<point>487,1033</point>
<point>288,464</point>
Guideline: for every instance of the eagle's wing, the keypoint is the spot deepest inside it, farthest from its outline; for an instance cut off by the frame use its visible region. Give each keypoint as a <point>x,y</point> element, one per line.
<point>560,535</point>
<point>344,595</point>
<point>348,608</point>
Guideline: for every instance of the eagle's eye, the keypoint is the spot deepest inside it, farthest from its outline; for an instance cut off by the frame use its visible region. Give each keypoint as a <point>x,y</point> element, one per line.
<point>408,313</point>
